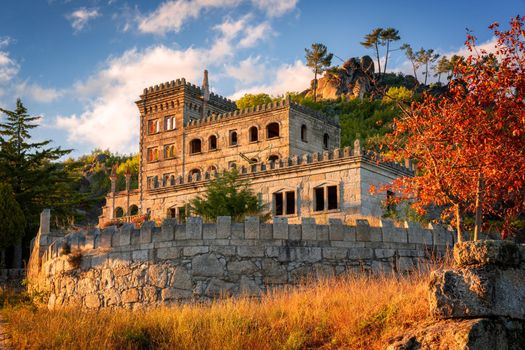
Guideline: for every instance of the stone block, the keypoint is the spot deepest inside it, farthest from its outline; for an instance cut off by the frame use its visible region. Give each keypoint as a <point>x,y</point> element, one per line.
<point>191,251</point>
<point>135,237</point>
<point>181,279</point>
<point>194,227</point>
<point>441,236</point>
<point>485,291</point>
<point>280,228</point>
<point>250,251</point>
<point>360,253</point>
<point>249,287</point>
<point>489,252</point>
<point>207,265</point>
<point>336,229</point>
<point>309,230</point>
<point>140,255</point>
<point>130,296</point>
<point>266,231</point>
<point>125,235</point>
<point>209,231</point>
<point>224,250</point>
<point>281,253</point>
<point>92,301</point>
<point>168,253</point>
<point>167,231</point>
<point>237,230</point>
<point>145,232</point>
<point>392,233</point>
<point>307,254</point>
<point>349,233</point>
<point>243,267</point>
<point>170,294</point>
<point>322,232</point>
<point>224,227</point>
<point>180,233</point>
<point>334,253</point>
<point>106,236</point>
<point>294,232</point>
<point>251,227</point>
<point>363,231</point>
<point>384,253</point>
<point>417,234</point>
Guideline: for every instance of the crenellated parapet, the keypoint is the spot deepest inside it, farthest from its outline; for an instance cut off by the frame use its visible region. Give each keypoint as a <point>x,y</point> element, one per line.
<point>176,262</point>
<point>264,108</point>
<point>169,86</point>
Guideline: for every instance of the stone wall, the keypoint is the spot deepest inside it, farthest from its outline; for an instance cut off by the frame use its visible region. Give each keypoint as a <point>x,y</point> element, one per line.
<point>132,268</point>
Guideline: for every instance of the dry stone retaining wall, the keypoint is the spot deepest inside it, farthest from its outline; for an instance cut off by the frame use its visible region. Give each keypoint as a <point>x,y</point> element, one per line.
<point>132,268</point>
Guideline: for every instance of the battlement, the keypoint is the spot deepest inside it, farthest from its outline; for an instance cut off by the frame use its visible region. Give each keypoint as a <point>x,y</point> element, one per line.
<point>169,86</point>
<point>357,153</point>
<point>272,106</point>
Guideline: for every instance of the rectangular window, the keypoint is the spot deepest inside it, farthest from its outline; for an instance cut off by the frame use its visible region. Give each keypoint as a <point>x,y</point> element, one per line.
<point>151,127</point>
<point>169,123</point>
<point>332,197</point>
<point>278,203</point>
<point>169,151</point>
<point>157,125</point>
<point>319,199</point>
<point>149,182</point>
<point>172,213</point>
<point>153,154</point>
<point>290,202</point>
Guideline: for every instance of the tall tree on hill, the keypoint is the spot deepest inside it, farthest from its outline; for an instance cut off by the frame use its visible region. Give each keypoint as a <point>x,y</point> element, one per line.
<point>30,168</point>
<point>412,57</point>
<point>318,59</point>
<point>372,41</point>
<point>426,58</point>
<point>12,220</point>
<point>443,66</point>
<point>388,36</point>
<point>469,144</point>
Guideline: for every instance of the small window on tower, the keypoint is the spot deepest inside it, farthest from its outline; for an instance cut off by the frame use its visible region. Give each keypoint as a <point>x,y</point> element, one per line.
<point>254,134</point>
<point>304,133</point>
<point>326,141</point>
<point>233,138</point>
<point>278,203</point>
<point>332,197</point>
<point>212,143</point>
<point>290,202</point>
<point>319,199</point>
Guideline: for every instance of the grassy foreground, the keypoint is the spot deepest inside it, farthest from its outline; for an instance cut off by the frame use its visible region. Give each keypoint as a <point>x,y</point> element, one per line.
<point>351,313</point>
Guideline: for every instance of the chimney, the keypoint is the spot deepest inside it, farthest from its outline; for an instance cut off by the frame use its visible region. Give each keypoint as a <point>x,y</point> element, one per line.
<point>205,87</point>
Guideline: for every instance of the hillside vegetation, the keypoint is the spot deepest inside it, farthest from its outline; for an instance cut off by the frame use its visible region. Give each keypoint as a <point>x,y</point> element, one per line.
<point>352,313</point>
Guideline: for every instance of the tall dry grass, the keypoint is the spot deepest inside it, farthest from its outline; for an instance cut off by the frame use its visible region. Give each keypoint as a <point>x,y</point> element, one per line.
<point>357,312</point>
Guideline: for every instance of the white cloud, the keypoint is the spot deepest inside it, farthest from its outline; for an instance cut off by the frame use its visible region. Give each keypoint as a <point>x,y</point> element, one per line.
<point>37,92</point>
<point>275,8</point>
<point>4,41</point>
<point>81,17</point>
<point>230,29</point>
<point>247,71</point>
<point>171,15</point>
<point>294,77</point>
<point>255,33</point>
<point>110,119</point>
<point>8,67</point>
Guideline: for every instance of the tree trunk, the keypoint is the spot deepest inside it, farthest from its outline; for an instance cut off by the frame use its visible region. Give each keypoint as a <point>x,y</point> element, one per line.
<point>415,72</point>
<point>386,56</point>
<point>315,85</point>
<point>378,62</point>
<point>2,258</point>
<point>426,73</point>
<point>458,223</point>
<point>479,205</point>
<point>17,255</point>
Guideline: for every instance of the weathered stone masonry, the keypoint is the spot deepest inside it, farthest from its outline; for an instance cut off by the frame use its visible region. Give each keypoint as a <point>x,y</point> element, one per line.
<point>132,268</point>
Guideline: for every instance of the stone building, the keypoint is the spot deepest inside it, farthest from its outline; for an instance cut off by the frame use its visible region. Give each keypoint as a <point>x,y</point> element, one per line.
<point>290,154</point>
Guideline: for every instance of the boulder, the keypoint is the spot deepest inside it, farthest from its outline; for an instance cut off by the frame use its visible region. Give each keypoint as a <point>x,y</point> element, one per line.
<point>487,252</point>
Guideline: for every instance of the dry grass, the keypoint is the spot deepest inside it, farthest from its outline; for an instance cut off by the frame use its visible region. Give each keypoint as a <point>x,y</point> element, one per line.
<point>352,313</point>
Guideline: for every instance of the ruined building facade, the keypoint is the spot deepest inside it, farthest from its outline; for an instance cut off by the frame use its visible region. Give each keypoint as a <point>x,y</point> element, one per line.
<point>290,154</point>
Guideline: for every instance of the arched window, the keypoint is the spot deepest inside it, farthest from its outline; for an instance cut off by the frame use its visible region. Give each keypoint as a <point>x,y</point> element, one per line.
<point>233,138</point>
<point>254,134</point>
<point>272,130</point>
<point>133,210</point>
<point>254,161</point>
<point>195,146</point>
<point>304,136</point>
<point>212,169</point>
<point>232,165</point>
<point>195,173</point>
<point>119,212</point>
<point>169,151</point>
<point>212,143</point>
<point>273,158</point>
<point>172,180</point>
<point>326,140</point>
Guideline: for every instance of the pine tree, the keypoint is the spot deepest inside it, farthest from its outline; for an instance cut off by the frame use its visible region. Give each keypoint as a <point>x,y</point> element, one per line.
<point>30,168</point>
<point>412,57</point>
<point>387,36</point>
<point>425,58</point>
<point>227,195</point>
<point>318,59</point>
<point>373,40</point>
<point>12,220</point>
<point>443,66</point>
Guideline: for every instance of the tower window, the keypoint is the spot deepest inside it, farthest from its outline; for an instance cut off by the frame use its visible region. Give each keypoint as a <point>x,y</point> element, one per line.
<point>195,146</point>
<point>284,203</point>
<point>169,123</point>
<point>326,198</point>
<point>332,197</point>
<point>233,138</point>
<point>153,154</point>
<point>326,140</point>
<point>153,126</point>
<point>273,158</point>
<point>212,143</point>
<point>272,130</point>
<point>319,199</point>
<point>278,203</point>
<point>169,151</point>
<point>303,133</point>
<point>254,134</point>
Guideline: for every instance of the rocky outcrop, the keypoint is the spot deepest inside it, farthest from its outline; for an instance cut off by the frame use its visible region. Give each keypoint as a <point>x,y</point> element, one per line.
<point>353,79</point>
<point>478,305</point>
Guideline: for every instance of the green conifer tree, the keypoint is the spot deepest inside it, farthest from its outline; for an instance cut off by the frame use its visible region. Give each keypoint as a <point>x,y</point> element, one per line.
<point>318,59</point>
<point>12,220</point>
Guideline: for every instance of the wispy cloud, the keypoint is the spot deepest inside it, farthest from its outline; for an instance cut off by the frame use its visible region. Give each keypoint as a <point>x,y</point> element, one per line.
<point>38,93</point>
<point>275,8</point>
<point>80,18</point>
<point>8,67</point>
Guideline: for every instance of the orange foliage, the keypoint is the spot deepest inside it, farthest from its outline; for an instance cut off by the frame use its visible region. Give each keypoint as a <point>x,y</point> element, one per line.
<point>476,131</point>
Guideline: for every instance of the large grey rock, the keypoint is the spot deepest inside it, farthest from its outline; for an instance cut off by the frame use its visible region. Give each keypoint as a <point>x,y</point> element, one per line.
<point>207,265</point>
<point>478,292</point>
<point>487,252</point>
<point>471,334</point>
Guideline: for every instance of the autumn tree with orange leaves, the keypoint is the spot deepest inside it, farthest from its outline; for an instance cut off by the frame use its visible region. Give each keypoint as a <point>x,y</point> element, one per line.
<point>469,145</point>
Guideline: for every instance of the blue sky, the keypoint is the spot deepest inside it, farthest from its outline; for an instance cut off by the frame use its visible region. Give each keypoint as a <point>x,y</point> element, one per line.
<point>82,64</point>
